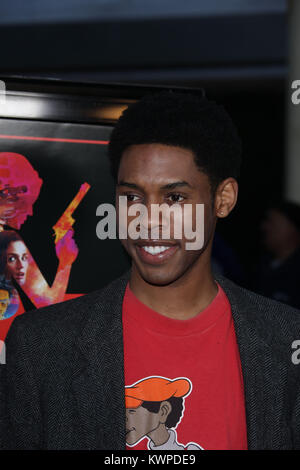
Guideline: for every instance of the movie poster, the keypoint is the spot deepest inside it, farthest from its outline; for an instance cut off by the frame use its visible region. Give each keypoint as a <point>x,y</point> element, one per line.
<point>53,176</point>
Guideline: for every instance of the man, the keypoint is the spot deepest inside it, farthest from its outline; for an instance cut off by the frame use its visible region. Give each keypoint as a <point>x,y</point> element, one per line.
<point>63,386</point>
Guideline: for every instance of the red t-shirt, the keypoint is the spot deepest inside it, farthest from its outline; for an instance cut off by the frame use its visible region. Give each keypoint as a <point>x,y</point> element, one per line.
<point>184,385</point>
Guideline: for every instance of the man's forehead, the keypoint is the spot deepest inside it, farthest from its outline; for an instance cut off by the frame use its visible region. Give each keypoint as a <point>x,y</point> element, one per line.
<point>160,154</point>
<point>158,166</point>
<point>163,182</point>
<point>159,183</point>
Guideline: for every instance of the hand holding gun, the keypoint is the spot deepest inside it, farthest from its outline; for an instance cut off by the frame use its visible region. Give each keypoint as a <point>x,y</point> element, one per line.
<point>66,248</point>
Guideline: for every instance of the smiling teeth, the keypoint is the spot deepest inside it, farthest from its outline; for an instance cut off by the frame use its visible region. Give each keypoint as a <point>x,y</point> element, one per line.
<point>155,250</point>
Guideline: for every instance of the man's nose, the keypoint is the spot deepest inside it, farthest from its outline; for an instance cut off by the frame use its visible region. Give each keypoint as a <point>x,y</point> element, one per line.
<point>157,220</point>
<point>149,221</point>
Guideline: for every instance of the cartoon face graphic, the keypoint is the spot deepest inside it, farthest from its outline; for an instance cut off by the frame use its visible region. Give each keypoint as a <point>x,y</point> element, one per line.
<point>19,188</point>
<point>4,301</point>
<point>17,257</point>
<point>141,422</point>
<point>154,408</point>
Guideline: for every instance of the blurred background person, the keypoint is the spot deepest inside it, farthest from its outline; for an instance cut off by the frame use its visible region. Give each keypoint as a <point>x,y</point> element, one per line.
<point>278,273</point>
<point>226,262</point>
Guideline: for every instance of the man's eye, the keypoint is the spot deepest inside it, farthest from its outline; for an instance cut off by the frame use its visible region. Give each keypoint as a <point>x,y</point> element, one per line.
<point>175,198</point>
<point>11,259</point>
<point>131,197</point>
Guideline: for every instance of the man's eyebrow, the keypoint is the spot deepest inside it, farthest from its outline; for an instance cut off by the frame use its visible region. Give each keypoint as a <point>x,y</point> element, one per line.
<point>176,184</point>
<point>128,185</point>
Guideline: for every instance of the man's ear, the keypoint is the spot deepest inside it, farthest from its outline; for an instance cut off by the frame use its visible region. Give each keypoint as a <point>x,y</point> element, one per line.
<point>164,411</point>
<point>226,197</point>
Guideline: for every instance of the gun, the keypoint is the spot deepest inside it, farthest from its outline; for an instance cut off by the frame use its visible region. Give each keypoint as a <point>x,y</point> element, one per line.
<point>66,220</point>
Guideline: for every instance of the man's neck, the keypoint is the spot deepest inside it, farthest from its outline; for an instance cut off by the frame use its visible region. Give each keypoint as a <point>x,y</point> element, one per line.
<point>182,299</point>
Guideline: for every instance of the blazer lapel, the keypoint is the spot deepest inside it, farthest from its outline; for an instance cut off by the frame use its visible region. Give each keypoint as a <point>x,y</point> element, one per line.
<point>264,373</point>
<point>98,383</point>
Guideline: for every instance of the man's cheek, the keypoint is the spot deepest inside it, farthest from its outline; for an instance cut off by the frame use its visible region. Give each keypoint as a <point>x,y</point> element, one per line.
<point>194,226</point>
<point>121,215</point>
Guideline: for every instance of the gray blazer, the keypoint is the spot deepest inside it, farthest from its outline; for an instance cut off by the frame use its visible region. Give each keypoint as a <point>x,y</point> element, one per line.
<point>63,383</point>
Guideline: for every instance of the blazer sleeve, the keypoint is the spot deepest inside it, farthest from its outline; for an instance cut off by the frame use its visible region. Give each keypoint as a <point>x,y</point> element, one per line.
<point>296,419</point>
<point>20,416</point>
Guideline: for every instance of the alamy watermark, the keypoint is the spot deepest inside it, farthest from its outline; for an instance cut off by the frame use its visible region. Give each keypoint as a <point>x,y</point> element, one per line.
<point>2,92</point>
<point>2,353</point>
<point>296,353</point>
<point>161,222</point>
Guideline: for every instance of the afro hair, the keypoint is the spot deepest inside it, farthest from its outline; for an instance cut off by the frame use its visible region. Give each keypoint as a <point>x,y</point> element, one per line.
<point>181,120</point>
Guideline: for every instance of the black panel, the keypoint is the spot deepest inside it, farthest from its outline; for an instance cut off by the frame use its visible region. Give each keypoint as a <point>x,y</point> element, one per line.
<point>187,42</point>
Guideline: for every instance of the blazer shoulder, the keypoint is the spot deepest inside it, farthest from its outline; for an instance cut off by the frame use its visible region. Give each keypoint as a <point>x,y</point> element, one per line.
<point>269,316</point>
<point>69,317</point>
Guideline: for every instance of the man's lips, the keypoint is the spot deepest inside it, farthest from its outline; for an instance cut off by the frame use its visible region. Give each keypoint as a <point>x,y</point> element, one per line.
<point>155,252</point>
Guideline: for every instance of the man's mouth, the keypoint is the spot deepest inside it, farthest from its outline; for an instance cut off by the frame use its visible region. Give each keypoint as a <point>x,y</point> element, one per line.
<point>156,252</point>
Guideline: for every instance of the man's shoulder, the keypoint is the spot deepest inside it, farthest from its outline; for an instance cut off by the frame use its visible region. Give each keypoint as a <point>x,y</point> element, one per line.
<point>268,316</point>
<point>69,317</point>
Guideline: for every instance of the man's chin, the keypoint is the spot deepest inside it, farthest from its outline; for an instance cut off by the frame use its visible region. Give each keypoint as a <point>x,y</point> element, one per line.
<point>157,276</point>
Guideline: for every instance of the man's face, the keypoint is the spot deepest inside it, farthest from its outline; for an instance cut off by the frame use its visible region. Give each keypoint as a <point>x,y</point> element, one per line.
<point>157,174</point>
